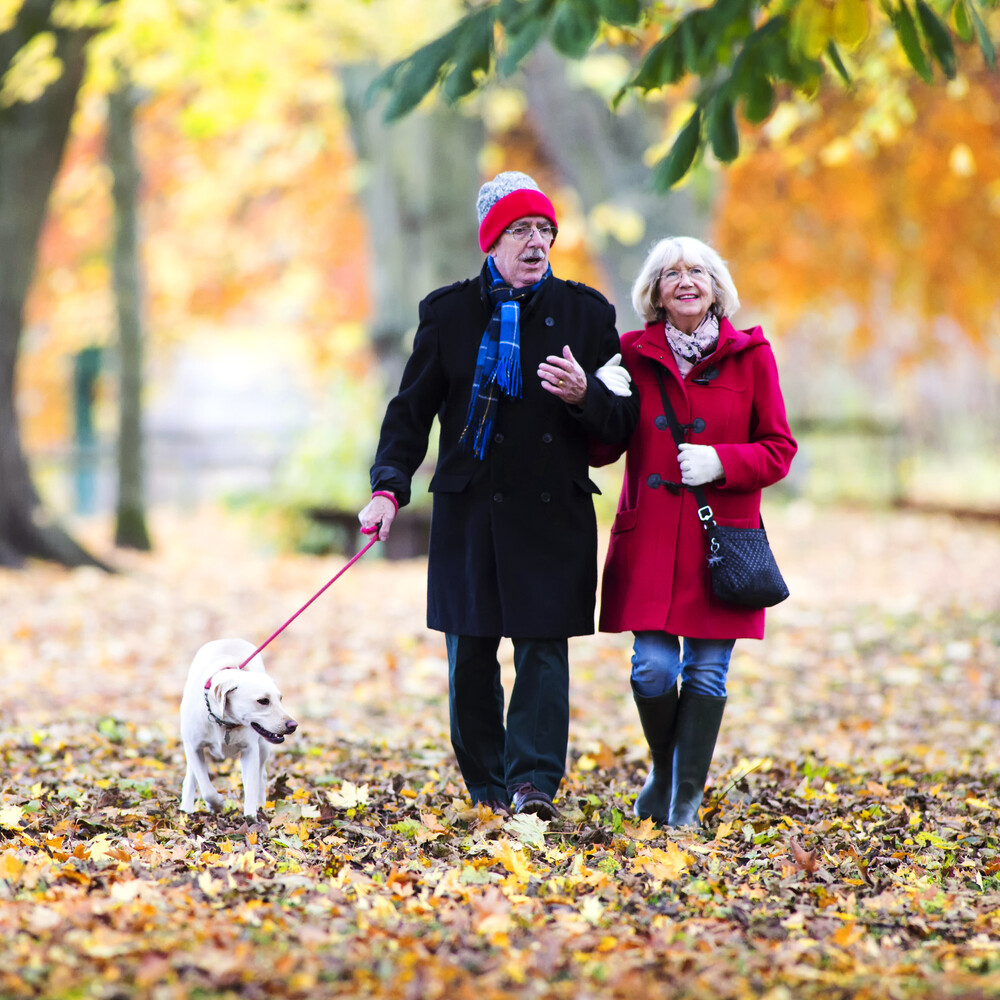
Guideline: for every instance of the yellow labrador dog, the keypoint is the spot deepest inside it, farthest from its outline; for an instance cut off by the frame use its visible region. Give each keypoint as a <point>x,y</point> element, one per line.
<point>226,712</point>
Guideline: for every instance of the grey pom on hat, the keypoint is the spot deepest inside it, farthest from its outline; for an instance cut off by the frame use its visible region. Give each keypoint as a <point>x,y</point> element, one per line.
<point>502,185</point>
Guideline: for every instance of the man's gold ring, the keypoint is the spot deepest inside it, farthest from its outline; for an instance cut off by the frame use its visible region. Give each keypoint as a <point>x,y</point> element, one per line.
<point>560,383</point>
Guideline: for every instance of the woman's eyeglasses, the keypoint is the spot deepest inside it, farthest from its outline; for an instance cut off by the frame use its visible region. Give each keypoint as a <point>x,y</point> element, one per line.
<point>673,274</point>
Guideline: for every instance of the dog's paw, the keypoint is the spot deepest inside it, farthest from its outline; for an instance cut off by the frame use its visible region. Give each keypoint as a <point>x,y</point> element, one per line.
<point>215,803</point>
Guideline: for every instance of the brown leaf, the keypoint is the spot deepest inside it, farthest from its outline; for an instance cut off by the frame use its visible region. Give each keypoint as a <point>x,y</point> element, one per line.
<point>804,860</point>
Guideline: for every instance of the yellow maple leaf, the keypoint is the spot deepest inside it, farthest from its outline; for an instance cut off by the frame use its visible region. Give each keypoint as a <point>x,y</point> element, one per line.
<point>244,861</point>
<point>10,817</point>
<point>128,891</point>
<point>664,865</point>
<point>515,861</point>
<point>208,885</point>
<point>528,828</point>
<point>100,848</point>
<point>847,934</point>
<point>348,796</point>
<point>646,830</point>
<point>11,866</point>
<point>592,909</point>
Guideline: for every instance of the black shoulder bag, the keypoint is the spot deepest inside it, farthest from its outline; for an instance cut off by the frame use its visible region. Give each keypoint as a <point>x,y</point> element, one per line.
<point>739,559</point>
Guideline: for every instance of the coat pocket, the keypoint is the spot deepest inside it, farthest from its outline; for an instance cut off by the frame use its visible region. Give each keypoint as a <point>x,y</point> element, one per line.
<point>449,482</point>
<point>625,521</point>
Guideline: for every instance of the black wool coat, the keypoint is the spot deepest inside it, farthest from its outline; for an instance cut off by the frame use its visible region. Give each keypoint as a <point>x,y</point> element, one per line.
<point>513,548</point>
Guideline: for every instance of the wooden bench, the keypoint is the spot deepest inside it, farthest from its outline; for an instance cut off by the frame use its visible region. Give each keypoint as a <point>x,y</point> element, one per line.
<point>409,538</point>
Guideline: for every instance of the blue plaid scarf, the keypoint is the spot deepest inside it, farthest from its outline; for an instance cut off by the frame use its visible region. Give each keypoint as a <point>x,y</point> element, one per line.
<point>498,365</point>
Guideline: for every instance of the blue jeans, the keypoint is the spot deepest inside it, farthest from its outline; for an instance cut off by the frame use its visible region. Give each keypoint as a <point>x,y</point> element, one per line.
<point>657,663</point>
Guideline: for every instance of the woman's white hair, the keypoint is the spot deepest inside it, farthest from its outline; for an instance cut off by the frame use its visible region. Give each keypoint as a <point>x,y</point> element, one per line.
<point>682,250</point>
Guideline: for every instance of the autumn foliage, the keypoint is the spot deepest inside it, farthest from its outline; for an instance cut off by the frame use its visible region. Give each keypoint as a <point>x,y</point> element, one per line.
<point>894,219</point>
<point>849,848</point>
<point>254,230</point>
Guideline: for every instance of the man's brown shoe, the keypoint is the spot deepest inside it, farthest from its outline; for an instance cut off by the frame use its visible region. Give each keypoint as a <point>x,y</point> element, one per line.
<point>528,799</point>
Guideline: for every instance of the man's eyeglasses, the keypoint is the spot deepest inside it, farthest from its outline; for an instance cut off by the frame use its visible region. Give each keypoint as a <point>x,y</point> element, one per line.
<point>523,233</point>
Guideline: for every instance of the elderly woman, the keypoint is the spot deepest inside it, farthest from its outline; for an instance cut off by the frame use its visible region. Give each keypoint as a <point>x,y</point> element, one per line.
<point>723,385</point>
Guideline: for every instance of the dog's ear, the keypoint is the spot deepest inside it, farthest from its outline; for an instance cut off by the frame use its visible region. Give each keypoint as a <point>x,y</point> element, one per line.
<point>222,688</point>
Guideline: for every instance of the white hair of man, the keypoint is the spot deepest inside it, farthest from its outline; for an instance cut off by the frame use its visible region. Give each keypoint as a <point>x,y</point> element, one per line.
<point>691,252</point>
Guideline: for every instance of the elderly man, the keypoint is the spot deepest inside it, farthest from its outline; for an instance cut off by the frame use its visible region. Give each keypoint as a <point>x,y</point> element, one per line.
<point>522,369</point>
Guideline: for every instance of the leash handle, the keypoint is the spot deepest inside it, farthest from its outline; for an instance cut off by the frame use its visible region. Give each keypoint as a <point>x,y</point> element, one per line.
<point>373,531</point>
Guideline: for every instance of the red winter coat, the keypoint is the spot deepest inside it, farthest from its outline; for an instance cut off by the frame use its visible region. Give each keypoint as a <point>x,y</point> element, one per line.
<point>656,574</point>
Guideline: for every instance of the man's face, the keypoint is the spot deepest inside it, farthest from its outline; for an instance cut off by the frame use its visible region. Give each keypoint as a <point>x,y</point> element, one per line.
<point>522,262</point>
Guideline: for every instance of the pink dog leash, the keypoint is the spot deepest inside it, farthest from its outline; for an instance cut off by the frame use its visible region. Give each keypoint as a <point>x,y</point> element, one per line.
<point>373,531</point>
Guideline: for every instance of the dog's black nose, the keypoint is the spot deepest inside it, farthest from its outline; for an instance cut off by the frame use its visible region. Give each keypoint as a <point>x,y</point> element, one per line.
<point>291,725</point>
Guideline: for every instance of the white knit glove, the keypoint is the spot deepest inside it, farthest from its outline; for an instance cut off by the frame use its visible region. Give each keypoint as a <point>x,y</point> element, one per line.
<point>614,376</point>
<point>699,464</point>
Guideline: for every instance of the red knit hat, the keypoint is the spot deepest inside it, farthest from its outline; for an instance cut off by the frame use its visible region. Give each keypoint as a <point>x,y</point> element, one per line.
<point>511,195</point>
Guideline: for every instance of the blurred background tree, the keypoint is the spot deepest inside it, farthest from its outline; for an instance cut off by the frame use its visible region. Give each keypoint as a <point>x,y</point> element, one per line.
<point>287,232</point>
<point>41,75</point>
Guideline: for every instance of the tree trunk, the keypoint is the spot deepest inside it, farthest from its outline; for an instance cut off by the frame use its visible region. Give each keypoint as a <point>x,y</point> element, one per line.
<point>422,178</point>
<point>32,140</point>
<point>600,153</point>
<point>130,530</point>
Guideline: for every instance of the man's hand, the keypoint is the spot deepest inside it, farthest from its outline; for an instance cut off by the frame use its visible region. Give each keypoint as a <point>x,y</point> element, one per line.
<point>564,377</point>
<point>380,511</point>
<point>699,464</point>
<point>614,376</point>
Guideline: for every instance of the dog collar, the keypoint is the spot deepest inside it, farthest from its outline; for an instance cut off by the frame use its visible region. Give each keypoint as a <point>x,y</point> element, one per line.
<point>222,722</point>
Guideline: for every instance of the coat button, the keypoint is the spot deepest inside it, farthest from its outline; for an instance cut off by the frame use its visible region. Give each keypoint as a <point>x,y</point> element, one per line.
<point>498,498</point>
<point>547,438</point>
<point>498,438</point>
<point>546,497</point>
<point>549,321</point>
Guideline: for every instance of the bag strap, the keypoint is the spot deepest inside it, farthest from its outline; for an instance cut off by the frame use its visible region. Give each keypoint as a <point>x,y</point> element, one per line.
<point>705,513</point>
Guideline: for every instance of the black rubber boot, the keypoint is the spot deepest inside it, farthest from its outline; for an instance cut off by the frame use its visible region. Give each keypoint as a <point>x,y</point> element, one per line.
<point>699,717</point>
<point>657,716</point>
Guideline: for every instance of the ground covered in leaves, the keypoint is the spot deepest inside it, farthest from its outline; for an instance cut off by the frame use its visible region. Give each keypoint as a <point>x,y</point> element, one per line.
<point>850,840</point>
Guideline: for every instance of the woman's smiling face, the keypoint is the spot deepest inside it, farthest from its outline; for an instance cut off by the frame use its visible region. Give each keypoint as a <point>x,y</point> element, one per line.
<point>686,294</point>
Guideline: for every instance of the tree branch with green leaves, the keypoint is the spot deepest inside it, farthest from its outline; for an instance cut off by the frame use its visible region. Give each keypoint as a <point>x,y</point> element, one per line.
<point>739,54</point>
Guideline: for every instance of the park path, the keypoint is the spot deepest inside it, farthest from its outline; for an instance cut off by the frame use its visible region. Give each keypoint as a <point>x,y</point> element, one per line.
<point>888,644</point>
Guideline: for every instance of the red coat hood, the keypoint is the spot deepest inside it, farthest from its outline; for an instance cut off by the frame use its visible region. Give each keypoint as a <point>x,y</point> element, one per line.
<point>731,340</point>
